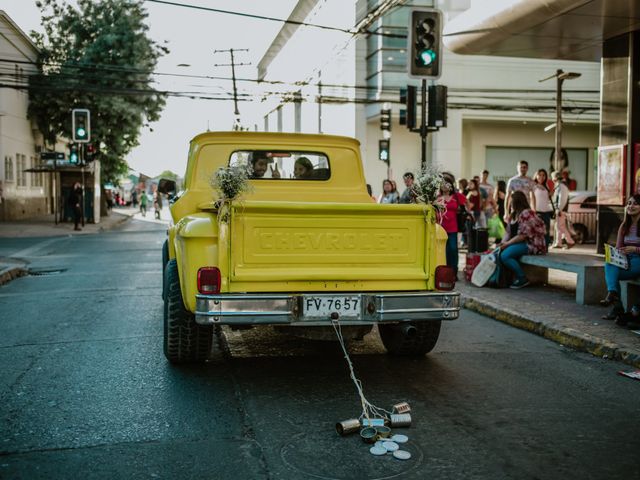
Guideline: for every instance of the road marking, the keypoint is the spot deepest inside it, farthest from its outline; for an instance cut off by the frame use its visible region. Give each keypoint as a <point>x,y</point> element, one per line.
<point>30,251</point>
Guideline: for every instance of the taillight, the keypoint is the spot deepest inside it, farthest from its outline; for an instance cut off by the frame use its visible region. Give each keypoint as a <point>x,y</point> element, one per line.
<point>209,280</point>
<point>445,277</point>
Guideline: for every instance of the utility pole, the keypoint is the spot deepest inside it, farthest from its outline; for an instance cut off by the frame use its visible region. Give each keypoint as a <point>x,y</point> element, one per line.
<point>233,64</point>
<point>560,77</point>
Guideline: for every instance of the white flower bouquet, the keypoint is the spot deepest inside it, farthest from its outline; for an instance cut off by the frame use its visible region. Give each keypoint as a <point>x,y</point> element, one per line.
<point>230,183</point>
<point>426,186</point>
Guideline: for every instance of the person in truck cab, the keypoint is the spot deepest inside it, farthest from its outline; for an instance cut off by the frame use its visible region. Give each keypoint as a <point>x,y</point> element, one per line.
<point>303,168</point>
<point>260,164</point>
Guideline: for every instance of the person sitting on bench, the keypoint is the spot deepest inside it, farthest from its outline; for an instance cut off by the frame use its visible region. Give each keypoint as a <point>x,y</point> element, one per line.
<point>524,235</point>
<point>628,242</point>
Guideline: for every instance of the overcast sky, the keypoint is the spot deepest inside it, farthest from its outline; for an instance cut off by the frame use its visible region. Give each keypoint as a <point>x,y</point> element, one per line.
<point>192,36</point>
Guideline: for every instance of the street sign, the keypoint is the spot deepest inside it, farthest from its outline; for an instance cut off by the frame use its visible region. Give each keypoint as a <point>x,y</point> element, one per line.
<point>51,155</point>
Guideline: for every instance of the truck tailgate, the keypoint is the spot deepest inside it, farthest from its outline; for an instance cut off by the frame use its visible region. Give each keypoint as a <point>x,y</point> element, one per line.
<point>281,246</point>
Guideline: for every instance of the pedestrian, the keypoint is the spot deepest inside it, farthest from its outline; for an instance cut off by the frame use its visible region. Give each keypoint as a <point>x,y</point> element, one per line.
<point>109,198</point>
<point>388,195</point>
<point>560,201</point>
<point>75,202</point>
<point>452,202</point>
<point>157,204</point>
<point>370,192</point>
<point>462,186</point>
<point>500,195</point>
<point>571,184</point>
<point>477,206</point>
<point>520,183</point>
<point>408,196</point>
<point>134,199</point>
<point>143,202</point>
<point>524,236</point>
<point>627,242</point>
<point>544,208</point>
<point>487,191</point>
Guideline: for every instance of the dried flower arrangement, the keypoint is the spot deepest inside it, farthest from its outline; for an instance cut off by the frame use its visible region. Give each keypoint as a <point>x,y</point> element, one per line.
<point>230,183</point>
<point>426,186</point>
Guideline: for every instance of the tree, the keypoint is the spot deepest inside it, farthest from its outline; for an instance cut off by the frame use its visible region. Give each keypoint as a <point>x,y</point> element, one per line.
<point>96,56</point>
<point>168,174</point>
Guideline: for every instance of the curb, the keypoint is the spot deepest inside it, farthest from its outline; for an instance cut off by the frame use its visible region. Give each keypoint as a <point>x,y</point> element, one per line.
<point>566,336</point>
<point>9,273</point>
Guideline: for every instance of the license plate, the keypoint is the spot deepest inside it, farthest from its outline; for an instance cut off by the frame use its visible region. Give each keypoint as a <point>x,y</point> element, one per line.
<point>324,306</point>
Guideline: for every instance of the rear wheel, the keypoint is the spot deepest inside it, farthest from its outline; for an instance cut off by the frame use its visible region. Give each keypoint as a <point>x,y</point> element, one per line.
<point>411,339</point>
<point>184,340</point>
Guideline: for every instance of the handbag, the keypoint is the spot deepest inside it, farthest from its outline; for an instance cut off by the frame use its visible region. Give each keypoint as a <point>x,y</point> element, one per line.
<point>496,227</point>
<point>485,269</point>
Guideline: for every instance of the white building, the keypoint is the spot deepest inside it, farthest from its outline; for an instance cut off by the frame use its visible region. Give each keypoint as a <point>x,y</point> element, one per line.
<point>337,83</point>
<point>22,194</point>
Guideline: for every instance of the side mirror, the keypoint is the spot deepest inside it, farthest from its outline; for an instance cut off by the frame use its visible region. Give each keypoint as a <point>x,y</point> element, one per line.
<point>166,186</point>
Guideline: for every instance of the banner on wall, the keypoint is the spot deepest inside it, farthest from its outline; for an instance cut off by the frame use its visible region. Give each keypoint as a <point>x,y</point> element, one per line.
<point>612,163</point>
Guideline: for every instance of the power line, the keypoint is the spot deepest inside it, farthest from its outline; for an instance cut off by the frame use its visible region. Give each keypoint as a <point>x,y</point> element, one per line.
<point>280,20</point>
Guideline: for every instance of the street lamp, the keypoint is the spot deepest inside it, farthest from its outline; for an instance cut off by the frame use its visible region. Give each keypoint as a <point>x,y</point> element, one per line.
<point>560,77</point>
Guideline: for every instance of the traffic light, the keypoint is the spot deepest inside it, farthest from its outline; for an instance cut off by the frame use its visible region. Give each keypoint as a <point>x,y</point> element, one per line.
<point>89,153</point>
<point>384,150</point>
<point>437,116</point>
<point>81,125</point>
<point>385,119</point>
<point>73,154</point>
<point>425,43</point>
<point>408,97</point>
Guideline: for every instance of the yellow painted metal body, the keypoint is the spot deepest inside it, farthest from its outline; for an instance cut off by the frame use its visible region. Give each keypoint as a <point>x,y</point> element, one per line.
<point>299,236</point>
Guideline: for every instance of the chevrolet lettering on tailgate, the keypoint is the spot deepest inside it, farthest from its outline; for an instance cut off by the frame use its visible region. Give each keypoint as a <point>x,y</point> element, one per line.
<point>306,247</point>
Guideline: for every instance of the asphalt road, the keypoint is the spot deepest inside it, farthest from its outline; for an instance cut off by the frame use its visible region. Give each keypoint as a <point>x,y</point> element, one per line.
<point>86,391</point>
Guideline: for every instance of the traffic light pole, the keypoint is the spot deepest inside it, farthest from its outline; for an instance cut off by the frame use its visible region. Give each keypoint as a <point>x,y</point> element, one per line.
<point>423,125</point>
<point>82,170</point>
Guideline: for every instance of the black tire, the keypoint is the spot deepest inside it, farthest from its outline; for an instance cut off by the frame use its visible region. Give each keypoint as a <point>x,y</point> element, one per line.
<point>184,340</point>
<point>420,342</point>
<point>165,260</point>
<point>581,235</point>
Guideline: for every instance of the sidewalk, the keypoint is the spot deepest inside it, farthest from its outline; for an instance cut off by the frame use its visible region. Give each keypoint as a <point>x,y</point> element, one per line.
<point>44,226</point>
<point>551,311</point>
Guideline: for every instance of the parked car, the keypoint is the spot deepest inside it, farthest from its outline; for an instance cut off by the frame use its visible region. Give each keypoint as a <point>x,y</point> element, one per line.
<point>582,214</point>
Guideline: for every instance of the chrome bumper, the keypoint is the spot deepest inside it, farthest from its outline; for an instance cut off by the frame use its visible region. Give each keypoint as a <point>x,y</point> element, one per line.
<point>279,309</point>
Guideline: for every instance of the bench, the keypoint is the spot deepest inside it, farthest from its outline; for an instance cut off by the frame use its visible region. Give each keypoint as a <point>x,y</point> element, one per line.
<point>629,293</point>
<point>590,284</point>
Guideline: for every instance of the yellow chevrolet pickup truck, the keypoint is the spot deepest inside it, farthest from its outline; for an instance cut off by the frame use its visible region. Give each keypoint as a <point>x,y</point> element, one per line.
<point>304,247</point>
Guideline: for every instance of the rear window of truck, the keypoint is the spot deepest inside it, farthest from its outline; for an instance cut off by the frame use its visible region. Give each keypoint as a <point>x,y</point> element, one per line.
<point>282,165</point>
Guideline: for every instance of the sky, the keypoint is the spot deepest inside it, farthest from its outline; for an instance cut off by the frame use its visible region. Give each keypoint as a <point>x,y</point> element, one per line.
<point>191,36</point>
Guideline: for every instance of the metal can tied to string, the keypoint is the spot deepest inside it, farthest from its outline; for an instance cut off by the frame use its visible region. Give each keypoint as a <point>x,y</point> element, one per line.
<point>348,426</point>
<point>400,420</point>
<point>402,407</point>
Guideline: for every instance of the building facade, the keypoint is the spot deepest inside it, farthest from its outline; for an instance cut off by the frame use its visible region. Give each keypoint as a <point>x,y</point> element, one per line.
<point>22,194</point>
<point>498,108</point>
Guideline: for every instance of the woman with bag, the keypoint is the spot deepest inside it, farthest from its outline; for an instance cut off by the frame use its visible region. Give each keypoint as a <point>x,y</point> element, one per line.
<point>544,209</point>
<point>628,242</point>
<point>524,236</point>
<point>451,202</point>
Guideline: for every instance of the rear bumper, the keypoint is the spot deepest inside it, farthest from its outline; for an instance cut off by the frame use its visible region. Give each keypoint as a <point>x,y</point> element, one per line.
<point>287,309</point>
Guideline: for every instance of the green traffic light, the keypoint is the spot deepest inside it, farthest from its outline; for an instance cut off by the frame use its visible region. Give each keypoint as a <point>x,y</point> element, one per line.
<point>73,158</point>
<point>81,132</point>
<point>427,57</point>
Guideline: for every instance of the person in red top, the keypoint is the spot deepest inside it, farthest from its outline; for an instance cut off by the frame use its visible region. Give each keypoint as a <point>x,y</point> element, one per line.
<point>451,202</point>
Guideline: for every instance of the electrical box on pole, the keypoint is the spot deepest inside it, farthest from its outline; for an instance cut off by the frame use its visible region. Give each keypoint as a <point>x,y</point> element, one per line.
<point>424,52</point>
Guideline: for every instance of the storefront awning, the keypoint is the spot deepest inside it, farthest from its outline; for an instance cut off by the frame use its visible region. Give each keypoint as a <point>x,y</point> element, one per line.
<point>555,29</point>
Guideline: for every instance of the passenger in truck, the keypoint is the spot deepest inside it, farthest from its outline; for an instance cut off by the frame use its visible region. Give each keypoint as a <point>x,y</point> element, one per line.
<point>303,168</point>
<point>260,164</point>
